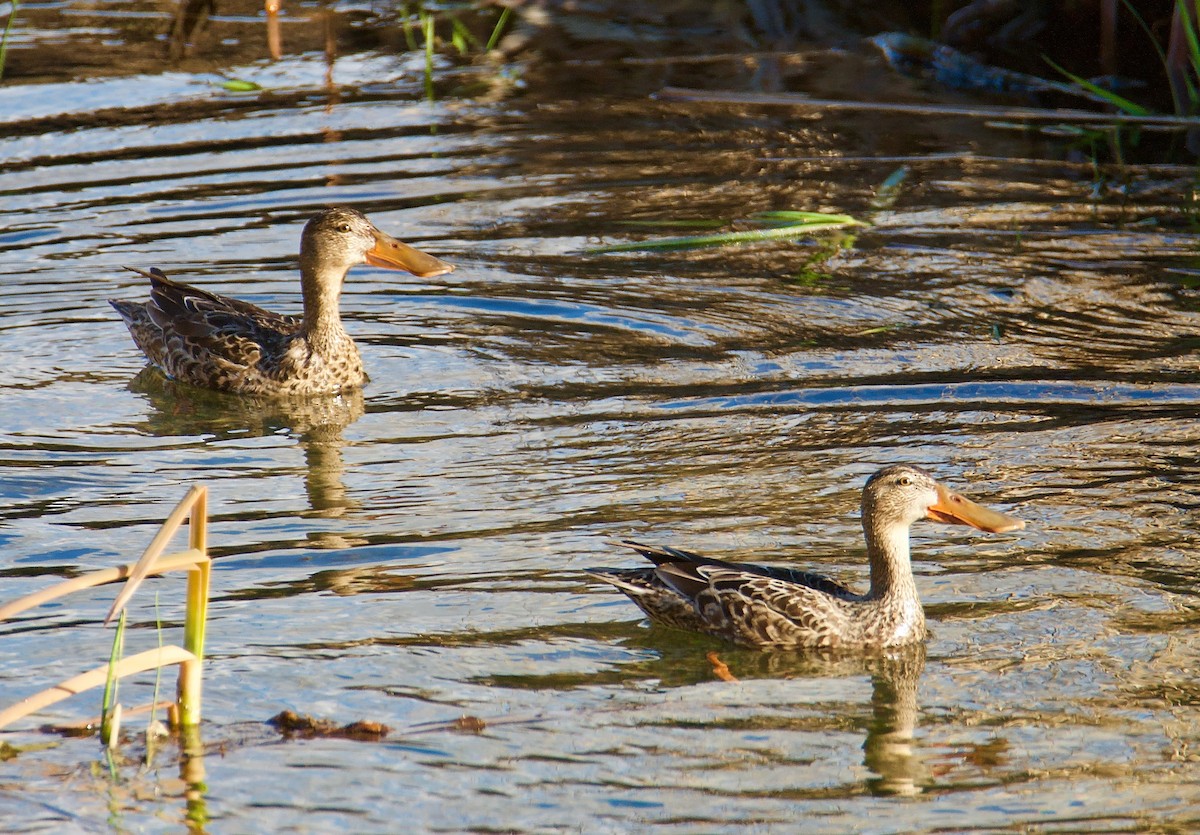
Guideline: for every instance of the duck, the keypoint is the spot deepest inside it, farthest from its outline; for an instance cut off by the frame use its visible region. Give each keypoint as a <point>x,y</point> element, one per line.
<point>215,342</point>
<point>772,607</point>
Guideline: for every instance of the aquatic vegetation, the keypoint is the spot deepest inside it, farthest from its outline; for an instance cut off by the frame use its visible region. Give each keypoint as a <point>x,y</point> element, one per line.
<point>427,29</point>
<point>1181,59</point>
<point>239,85</point>
<point>12,15</point>
<point>776,225</point>
<point>185,711</point>
<point>1118,101</point>
<point>1185,85</point>
<point>498,29</point>
<point>426,16</point>
<point>110,708</point>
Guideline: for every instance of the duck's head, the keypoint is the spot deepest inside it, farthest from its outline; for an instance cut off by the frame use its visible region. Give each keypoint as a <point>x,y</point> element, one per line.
<point>900,495</point>
<point>339,238</point>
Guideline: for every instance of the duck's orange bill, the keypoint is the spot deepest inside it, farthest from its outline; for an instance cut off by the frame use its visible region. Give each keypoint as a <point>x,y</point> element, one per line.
<point>959,510</point>
<point>395,255</point>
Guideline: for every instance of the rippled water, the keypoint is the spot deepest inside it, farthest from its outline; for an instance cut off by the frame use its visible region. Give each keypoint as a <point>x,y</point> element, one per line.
<point>414,555</point>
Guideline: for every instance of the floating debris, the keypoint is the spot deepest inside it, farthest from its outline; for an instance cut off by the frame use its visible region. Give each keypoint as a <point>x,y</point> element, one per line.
<point>469,723</point>
<point>307,727</point>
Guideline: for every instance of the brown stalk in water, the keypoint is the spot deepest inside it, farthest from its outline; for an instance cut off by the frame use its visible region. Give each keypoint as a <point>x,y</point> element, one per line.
<point>193,507</point>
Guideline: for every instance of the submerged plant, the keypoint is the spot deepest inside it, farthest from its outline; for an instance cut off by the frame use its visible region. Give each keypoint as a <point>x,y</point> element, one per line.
<point>1180,62</point>
<point>777,225</point>
<point>812,273</point>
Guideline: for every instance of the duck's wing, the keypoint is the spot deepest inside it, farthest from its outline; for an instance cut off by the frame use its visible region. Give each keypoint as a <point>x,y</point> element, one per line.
<point>665,555</point>
<point>754,605</point>
<point>654,597</point>
<point>195,312</point>
<point>184,325</point>
<point>756,609</point>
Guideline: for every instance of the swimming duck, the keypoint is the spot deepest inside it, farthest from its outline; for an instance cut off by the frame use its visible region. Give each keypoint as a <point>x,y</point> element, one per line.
<point>220,343</point>
<point>782,608</point>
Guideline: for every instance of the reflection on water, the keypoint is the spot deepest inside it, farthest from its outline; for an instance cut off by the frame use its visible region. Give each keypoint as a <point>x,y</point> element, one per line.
<point>193,774</point>
<point>317,423</point>
<point>889,751</point>
<point>412,554</point>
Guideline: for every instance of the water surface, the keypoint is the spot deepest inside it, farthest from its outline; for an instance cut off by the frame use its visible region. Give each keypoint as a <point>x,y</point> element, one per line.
<point>414,555</point>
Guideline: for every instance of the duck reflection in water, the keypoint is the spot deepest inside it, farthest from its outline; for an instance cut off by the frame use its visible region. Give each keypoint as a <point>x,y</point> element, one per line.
<point>890,750</point>
<point>317,423</point>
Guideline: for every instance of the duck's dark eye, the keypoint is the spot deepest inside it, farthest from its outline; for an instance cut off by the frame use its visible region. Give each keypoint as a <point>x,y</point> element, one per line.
<point>345,227</point>
<point>904,481</point>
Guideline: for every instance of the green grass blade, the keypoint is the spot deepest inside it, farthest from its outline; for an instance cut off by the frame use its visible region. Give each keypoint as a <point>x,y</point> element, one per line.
<point>784,216</point>
<point>1189,30</point>
<point>239,85</point>
<point>1193,41</point>
<point>498,29</point>
<point>796,230</point>
<point>12,15</point>
<point>427,29</point>
<point>112,683</point>
<point>1120,102</point>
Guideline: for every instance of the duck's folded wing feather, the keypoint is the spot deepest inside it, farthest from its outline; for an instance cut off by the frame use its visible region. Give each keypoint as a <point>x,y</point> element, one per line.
<point>755,608</point>
<point>664,555</point>
<point>178,301</point>
<point>232,329</point>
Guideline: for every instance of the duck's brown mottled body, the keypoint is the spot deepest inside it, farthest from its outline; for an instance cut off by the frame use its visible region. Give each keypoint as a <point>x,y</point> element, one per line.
<point>207,340</point>
<point>216,342</point>
<point>781,608</point>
